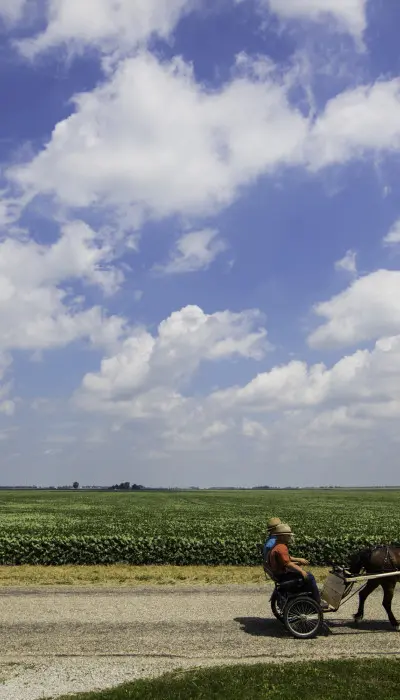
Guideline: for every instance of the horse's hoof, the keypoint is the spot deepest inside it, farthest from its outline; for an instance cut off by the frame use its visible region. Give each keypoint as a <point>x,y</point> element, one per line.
<point>357,619</point>
<point>396,628</point>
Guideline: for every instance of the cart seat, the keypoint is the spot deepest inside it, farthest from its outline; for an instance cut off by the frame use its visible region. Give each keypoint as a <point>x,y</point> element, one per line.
<point>290,585</point>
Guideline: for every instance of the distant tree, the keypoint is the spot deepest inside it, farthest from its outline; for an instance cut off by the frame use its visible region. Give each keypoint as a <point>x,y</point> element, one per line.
<point>123,486</point>
<point>136,487</point>
<point>76,484</point>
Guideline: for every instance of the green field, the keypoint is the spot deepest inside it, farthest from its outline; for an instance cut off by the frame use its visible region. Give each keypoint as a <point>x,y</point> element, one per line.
<point>211,527</point>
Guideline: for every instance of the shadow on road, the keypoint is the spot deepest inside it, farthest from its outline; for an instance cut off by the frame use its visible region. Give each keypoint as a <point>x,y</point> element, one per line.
<point>264,627</point>
<point>349,626</point>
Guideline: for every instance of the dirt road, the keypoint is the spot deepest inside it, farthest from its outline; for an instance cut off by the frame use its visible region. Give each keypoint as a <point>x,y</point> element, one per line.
<point>56,641</point>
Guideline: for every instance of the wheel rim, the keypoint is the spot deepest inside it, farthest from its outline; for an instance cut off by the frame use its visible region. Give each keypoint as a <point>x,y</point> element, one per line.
<point>303,617</point>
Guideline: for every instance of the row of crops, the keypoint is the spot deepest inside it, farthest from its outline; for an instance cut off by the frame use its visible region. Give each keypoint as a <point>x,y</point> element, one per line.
<point>208,528</point>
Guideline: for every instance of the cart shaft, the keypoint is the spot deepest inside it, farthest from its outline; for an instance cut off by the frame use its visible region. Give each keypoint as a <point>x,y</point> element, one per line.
<point>370,577</point>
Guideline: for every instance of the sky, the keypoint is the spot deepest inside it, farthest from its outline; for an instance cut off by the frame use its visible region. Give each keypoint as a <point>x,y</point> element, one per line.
<point>199,242</point>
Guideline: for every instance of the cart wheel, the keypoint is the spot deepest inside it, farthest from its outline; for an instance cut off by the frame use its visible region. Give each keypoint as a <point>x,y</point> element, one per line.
<point>275,607</point>
<point>303,617</point>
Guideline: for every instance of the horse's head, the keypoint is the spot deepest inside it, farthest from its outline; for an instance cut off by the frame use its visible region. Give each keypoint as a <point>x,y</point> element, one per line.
<point>358,561</point>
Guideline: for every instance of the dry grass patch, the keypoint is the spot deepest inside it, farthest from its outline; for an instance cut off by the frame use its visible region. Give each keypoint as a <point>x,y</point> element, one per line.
<point>125,575</point>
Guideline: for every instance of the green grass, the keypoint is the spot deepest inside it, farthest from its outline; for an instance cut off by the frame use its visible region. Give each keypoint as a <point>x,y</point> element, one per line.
<point>331,680</point>
<point>124,575</point>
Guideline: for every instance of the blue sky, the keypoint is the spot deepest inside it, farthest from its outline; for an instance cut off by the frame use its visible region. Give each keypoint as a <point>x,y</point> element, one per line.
<point>199,220</point>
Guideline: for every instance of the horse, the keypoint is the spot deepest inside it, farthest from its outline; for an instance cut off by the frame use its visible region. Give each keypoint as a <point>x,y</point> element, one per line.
<point>377,560</point>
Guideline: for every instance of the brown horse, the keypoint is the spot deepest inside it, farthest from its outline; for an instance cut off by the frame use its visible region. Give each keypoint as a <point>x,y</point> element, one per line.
<point>377,560</point>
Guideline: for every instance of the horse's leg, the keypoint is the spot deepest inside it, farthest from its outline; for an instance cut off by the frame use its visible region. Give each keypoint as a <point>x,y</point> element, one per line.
<point>388,590</point>
<point>371,585</point>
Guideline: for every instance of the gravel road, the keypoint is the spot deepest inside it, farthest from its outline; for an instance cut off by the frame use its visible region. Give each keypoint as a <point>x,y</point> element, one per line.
<point>57,642</point>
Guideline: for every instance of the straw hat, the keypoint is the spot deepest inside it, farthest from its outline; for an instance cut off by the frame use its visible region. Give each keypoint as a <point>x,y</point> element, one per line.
<point>273,523</point>
<point>283,529</point>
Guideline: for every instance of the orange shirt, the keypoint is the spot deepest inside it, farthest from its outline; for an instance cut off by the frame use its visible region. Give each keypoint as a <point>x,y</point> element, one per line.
<point>279,559</point>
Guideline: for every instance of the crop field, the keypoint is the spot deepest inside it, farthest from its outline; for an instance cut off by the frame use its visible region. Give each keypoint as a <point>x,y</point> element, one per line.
<point>208,528</point>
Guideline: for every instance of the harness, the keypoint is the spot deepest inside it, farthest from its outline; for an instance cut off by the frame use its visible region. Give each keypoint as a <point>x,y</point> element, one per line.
<point>389,563</point>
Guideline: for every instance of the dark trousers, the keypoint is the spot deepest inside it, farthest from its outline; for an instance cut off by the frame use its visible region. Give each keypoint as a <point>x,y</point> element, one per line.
<point>310,583</point>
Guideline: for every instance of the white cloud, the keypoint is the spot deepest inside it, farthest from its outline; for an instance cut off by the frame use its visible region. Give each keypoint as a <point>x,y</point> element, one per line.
<point>349,15</point>
<point>216,429</point>
<point>194,251</point>
<point>366,377</point>
<point>36,311</point>
<point>355,123</point>
<point>78,253</point>
<point>12,10</point>
<point>152,141</point>
<point>146,375</point>
<point>368,309</point>
<point>348,263</point>
<point>7,406</point>
<point>253,429</point>
<point>348,412</point>
<point>105,24</point>
<point>393,237</point>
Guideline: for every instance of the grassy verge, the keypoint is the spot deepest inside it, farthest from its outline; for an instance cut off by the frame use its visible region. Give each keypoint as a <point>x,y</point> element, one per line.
<point>121,575</point>
<point>329,680</point>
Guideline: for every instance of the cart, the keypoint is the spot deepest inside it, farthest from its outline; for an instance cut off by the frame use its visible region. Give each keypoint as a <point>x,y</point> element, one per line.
<point>302,616</point>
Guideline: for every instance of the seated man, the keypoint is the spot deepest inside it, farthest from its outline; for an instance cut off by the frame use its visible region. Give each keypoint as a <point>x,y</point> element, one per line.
<point>271,542</point>
<point>284,567</point>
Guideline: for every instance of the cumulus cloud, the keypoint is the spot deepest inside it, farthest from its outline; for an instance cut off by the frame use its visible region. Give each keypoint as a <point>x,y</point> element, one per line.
<point>36,311</point>
<point>147,374</point>
<point>393,237</point>
<point>123,26</point>
<point>104,24</point>
<point>11,10</point>
<point>7,405</point>
<point>78,253</point>
<point>348,263</point>
<point>368,309</point>
<point>347,409</point>
<point>364,377</point>
<point>194,251</point>
<point>348,15</point>
<point>153,140</point>
<point>356,123</point>
<point>254,429</point>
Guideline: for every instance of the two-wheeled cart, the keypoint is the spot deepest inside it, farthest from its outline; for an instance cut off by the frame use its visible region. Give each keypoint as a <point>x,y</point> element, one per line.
<point>301,614</point>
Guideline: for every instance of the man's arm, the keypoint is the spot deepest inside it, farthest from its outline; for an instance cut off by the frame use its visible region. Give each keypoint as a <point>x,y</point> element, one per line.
<point>298,560</point>
<point>294,567</point>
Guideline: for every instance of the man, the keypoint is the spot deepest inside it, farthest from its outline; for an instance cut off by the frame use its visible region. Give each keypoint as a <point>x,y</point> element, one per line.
<point>271,542</point>
<point>284,566</point>
<point>271,539</point>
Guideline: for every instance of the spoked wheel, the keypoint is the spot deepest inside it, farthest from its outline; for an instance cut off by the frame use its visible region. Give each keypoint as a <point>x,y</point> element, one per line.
<point>276,607</point>
<point>303,618</point>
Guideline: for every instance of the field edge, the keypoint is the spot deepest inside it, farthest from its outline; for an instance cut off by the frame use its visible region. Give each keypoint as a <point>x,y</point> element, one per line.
<point>126,575</point>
